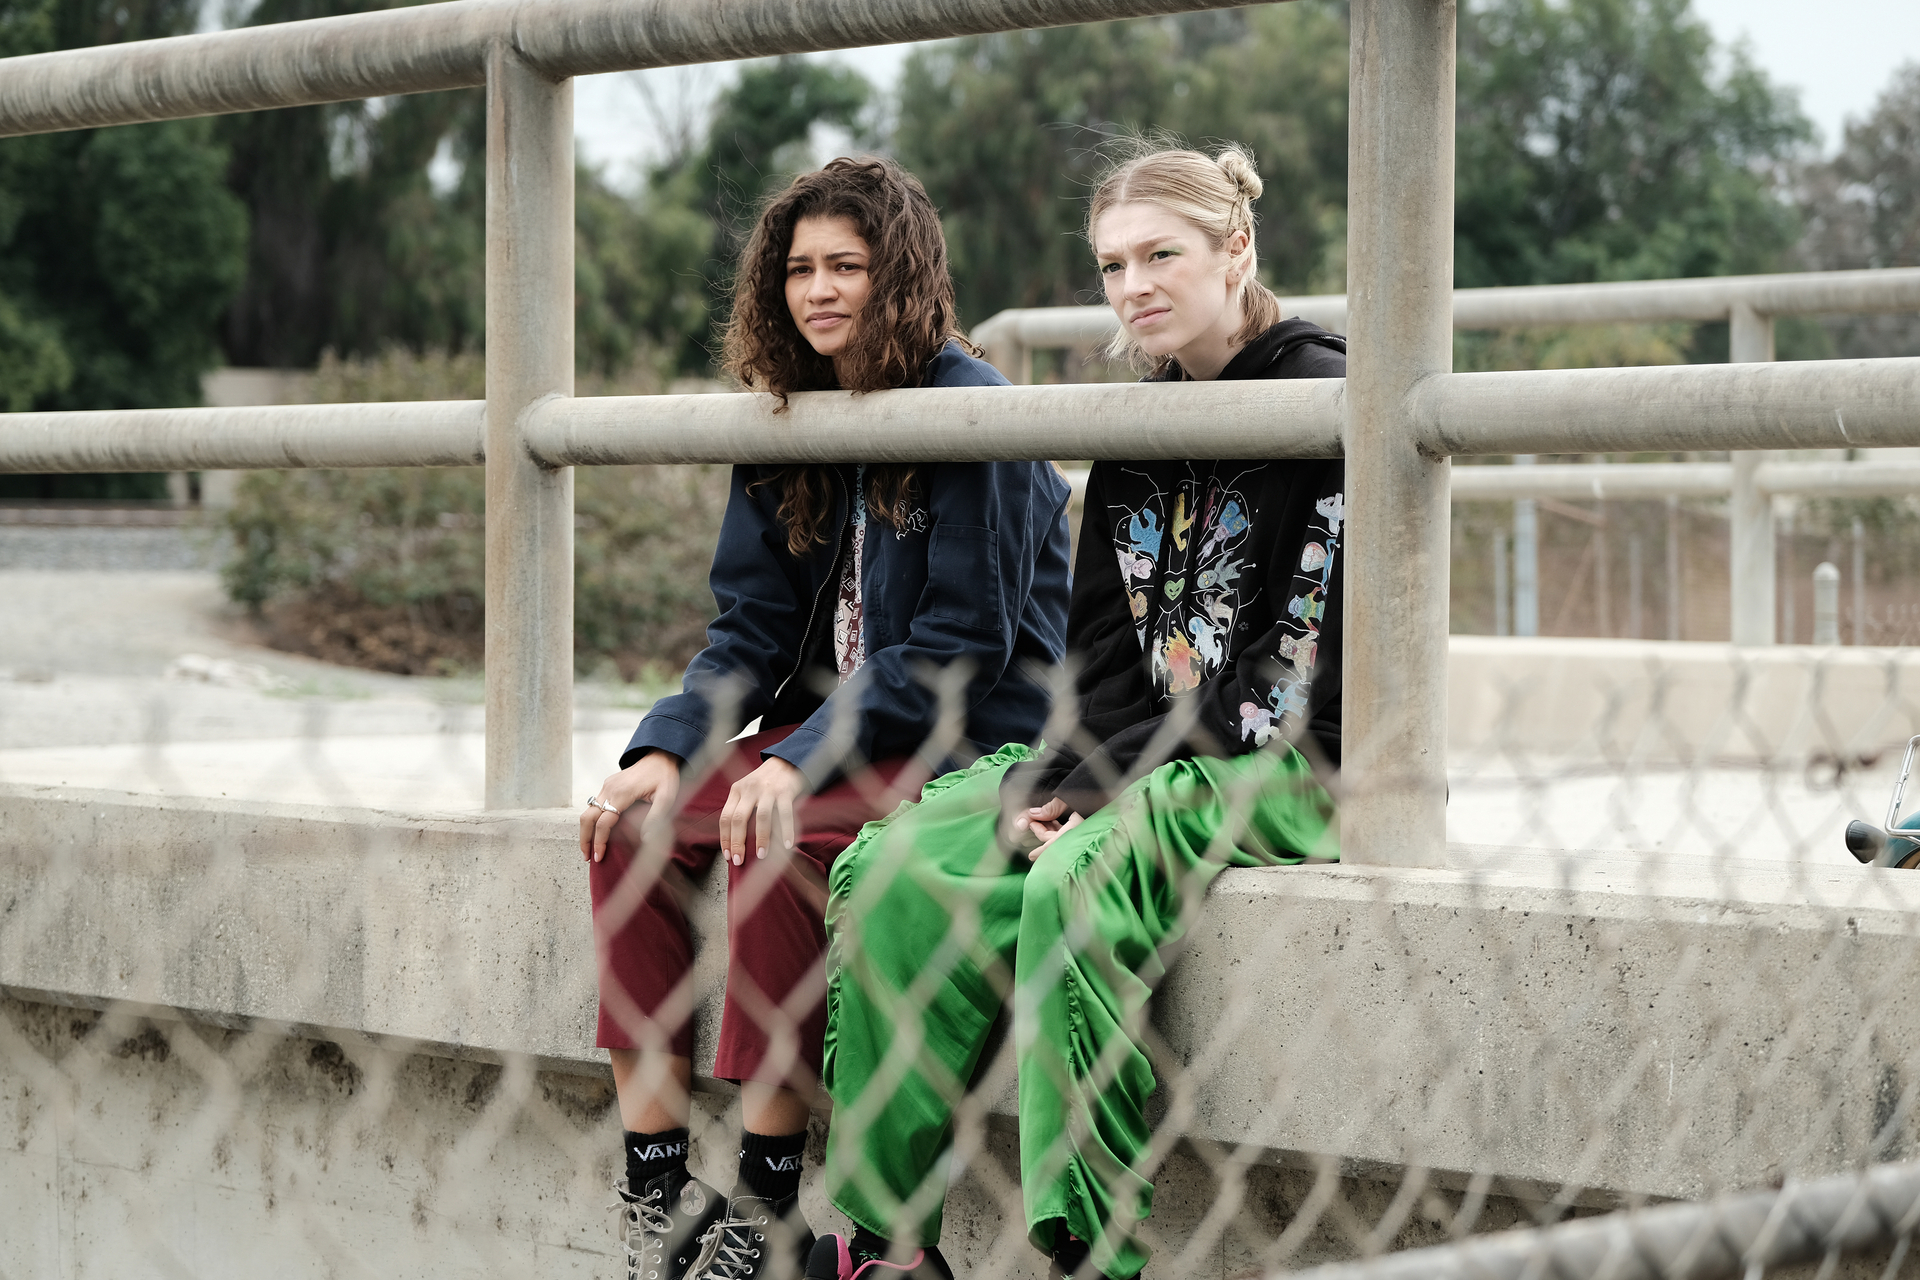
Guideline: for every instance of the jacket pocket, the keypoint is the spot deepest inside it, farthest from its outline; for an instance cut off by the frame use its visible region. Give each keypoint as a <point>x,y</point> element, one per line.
<point>963,576</point>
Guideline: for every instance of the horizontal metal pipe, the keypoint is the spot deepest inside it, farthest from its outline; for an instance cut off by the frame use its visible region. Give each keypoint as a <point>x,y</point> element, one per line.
<point>1866,479</point>
<point>1299,418</point>
<point>425,433</point>
<point>1816,404</point>
<point>1593,481</point>
<point>1633,301</point>
<point>443,46</point>
<point>1625,480</point>
<point>1734,1235</point>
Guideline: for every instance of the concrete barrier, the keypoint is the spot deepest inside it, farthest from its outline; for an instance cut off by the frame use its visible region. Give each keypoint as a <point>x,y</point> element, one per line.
<point>1634,702</point>
<point>1604,1027</point>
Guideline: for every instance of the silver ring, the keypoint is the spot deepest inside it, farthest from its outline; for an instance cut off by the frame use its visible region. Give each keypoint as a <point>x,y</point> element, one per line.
<point>598,803</point>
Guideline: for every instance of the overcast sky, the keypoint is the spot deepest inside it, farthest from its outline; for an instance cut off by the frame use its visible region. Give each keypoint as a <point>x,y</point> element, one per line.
<point>1839,55</point>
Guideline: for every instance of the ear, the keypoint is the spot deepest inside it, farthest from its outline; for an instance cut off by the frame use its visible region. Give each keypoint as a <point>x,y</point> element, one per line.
<point>1238,256</point>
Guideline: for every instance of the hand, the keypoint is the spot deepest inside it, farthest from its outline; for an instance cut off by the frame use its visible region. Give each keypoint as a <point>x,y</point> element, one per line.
<point>761,804</point>
<point>1047,822</point>
<point>652,779</point>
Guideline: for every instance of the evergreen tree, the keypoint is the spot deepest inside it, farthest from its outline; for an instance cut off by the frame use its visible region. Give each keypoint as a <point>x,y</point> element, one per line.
<point>1863,210</point>
<point>119,248</point>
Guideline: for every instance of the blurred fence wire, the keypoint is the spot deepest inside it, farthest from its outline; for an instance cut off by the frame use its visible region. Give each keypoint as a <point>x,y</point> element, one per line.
<point>299,1003</point>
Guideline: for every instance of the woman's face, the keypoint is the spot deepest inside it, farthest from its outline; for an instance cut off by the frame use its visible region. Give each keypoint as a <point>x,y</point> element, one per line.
<point>827,281</point>
<point>1166,283</point>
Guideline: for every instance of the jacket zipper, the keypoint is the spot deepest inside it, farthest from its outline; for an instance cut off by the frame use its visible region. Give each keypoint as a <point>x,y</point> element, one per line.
<point>831,584</point>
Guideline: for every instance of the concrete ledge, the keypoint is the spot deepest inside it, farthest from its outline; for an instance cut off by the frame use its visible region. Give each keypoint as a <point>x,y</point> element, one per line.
<point>1633,1026</point>
<point>1658,702</point>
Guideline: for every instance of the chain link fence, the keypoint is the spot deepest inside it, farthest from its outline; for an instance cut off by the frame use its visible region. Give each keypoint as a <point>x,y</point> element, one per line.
<point>295,1002</point>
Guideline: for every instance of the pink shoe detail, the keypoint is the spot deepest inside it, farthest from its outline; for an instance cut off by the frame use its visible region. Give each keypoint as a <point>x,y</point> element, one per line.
<point>879,1267</point>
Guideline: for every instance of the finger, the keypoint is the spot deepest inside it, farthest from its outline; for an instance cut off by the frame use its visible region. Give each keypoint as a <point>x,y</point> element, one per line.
<point>586,832</point>
<point>726,822</point>
<point>763,811</point>
<point>603,832</point>
<point>786,830</point>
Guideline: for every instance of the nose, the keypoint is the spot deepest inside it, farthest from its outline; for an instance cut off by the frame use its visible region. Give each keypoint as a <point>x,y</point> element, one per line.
<point>822,287</point>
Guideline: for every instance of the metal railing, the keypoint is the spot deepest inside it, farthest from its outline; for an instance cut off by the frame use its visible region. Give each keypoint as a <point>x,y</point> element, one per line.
<point>1398,416</point>
<point>1749,304</point>
<point>477,917</point>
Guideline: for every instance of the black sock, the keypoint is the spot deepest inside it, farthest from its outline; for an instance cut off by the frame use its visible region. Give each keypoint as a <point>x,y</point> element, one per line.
<point>1069,1255</point>
<point>770,1166</point>
<point>651,1154</point>
<point>866,1246</point>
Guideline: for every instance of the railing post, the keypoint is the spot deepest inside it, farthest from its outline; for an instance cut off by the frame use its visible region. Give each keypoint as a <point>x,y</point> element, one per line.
<point>1400,327</point>
<point>1526,561</point>
<point>529,638</point>
<point>1750,510</point>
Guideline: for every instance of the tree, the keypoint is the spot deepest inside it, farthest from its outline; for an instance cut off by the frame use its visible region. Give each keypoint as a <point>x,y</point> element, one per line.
<point>1863,210</point>
<point>1009,132</point>
<point>119,248</point>
<point>1596,142</point>
<point>369,219</point>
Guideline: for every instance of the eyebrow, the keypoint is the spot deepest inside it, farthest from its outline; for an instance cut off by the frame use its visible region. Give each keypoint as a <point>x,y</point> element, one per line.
<point>1146,246</point>
<point>838,253</point>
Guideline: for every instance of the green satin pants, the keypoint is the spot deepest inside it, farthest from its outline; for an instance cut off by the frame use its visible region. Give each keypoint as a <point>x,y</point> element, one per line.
<point>932,924</point>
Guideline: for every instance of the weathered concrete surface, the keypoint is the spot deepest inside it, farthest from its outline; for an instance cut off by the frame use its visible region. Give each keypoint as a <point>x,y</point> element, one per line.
<point>1659,1027</point>
<point>1656,702</point>
<point>133,1148</point>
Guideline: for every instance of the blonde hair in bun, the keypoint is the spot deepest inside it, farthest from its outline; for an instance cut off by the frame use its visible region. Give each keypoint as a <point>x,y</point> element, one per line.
<point>1215,193</point>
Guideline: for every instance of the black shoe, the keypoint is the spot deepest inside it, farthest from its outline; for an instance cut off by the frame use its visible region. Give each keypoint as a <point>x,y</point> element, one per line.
<point>1069,1260</point>
<point>757,1240</point>
<point>662,1226</point>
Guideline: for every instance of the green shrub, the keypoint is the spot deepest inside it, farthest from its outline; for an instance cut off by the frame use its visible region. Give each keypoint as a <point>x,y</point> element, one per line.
<point>385,568</point>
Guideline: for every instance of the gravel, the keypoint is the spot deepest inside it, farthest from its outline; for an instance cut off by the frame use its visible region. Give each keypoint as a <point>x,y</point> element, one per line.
<point>112,550</point>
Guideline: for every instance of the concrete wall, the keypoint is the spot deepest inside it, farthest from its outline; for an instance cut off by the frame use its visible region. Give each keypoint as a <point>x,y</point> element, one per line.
<point>1634,1027</point>
<point>1653,702</point>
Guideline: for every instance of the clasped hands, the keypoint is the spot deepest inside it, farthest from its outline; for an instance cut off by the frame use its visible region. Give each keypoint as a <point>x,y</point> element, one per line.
<point>1046,823</point>
<point>760,804</point>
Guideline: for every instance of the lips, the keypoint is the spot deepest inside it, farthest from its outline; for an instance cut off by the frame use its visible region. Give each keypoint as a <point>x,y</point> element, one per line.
<point>1150,316</point>
<point>825,319</point>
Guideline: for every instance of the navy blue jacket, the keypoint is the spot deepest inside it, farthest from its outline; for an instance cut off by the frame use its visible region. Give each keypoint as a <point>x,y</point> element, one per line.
<point>978,574</point>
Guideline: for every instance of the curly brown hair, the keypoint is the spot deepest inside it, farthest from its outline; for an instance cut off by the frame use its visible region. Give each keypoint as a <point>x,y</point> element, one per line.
<point>908,318</point>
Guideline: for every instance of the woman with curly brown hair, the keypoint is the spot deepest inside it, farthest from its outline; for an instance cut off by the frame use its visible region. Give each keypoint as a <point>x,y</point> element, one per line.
<point>843,590</point>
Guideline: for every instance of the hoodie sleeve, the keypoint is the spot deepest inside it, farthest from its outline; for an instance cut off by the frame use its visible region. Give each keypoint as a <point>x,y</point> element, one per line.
<point>1111,685</point>
<point>751,644</point>
<point>1284,685</point>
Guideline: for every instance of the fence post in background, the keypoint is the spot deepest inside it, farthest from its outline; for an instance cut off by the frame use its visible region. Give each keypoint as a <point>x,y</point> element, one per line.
<point>1526,561</point>
<point>1826,604</point>
<point>1400,323</point>
<point>1789,632</point>
<point>1636,587</point>
<point>1750,510</point>
<point>1502,596</point>
<point>1673,566</point>
<point>1859,582</point>
<point>1602,576</point>
<point>529,636</point>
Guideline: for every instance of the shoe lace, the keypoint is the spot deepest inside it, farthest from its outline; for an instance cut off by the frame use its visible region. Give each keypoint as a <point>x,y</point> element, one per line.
<point>648,1217</point>
<point>727,1250</point>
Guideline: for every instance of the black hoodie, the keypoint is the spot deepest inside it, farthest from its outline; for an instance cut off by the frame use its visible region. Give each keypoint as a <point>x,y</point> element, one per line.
<point>1212,583</point>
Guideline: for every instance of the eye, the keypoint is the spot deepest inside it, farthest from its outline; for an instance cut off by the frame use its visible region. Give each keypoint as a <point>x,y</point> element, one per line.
<point>1158,254</point>
<point>1108,268</point>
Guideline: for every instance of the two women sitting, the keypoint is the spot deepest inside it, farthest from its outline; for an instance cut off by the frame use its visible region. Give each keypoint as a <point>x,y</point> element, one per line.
<point>897,878</point>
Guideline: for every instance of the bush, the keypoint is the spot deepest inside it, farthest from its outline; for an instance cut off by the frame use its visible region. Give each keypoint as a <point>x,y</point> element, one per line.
<point>386,568</point>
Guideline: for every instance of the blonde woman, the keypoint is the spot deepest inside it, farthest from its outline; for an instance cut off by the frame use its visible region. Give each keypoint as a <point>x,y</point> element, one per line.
<point>1205,622</point>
